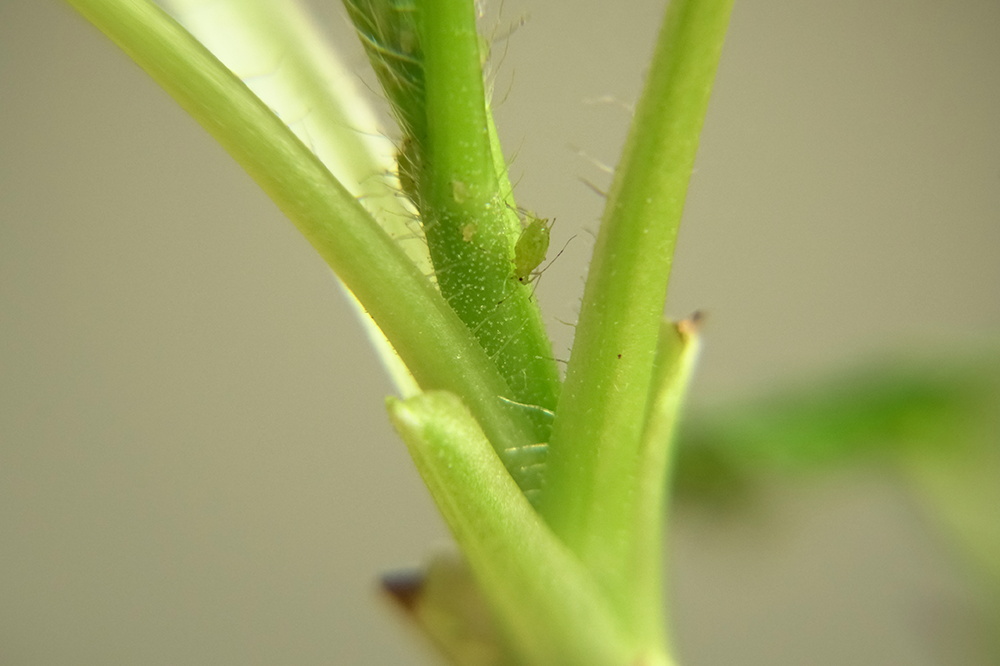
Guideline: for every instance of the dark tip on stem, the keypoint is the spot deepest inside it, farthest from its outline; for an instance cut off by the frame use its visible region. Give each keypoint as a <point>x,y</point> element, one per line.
<point>404,587</point>
<point>693,323</point>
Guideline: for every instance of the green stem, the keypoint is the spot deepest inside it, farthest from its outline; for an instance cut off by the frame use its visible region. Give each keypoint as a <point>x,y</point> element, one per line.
<point>427,56</point>
<point>457,142</point>
<point>402,301</point>
<point>469,227</point>
<point>641,598</point>
<point>309,81</point>
<point>591,495</point>
<point>550,607</point>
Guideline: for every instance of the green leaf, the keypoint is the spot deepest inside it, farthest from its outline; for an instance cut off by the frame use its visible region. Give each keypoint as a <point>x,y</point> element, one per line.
<point>932,423</point>
<point>874,415</point>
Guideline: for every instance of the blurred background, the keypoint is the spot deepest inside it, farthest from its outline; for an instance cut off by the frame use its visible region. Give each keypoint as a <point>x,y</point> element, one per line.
<point>195,464</point>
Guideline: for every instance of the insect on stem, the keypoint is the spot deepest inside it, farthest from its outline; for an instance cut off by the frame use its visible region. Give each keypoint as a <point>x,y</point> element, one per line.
<point>531,248</point>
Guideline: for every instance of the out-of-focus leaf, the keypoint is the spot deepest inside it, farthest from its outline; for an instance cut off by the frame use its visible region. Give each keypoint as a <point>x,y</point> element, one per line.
<point>959,489</point>
<point>877,416</point>
<point>935,425</point>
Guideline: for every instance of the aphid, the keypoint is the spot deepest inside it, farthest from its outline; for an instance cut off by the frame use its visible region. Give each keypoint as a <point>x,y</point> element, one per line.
<point>531,247</point>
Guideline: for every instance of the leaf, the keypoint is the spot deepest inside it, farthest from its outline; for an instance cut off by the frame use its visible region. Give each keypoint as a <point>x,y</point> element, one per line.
<point>874,415</point>
<point>934,424</point>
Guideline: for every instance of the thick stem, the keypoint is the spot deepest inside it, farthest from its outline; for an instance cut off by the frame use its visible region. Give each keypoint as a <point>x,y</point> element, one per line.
<point>596,437</point>
<point>407,308</point>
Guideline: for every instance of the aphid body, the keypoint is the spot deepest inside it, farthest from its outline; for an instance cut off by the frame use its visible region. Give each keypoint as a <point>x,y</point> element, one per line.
<point>531,247</point>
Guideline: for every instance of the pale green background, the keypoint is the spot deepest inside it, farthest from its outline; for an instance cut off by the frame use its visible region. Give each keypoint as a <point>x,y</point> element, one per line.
<point>195,466</point>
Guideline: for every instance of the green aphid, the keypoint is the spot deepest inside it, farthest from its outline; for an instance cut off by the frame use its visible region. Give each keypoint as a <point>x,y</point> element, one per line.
<point>531,247</point>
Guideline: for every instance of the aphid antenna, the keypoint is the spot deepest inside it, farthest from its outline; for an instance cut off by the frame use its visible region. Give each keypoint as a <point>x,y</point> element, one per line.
<point>565,245</point>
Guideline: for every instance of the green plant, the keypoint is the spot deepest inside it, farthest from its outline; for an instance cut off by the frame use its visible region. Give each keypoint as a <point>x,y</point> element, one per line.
<point>571,579</point>
<point>432,422</point>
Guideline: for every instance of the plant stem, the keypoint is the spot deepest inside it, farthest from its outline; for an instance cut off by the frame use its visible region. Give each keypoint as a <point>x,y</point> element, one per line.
<point>407,308</point>
<point>551,609</point>
<point>427,56</point>
<point>593,452</point>
<point>643,595</point>
<point>469,228</point>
